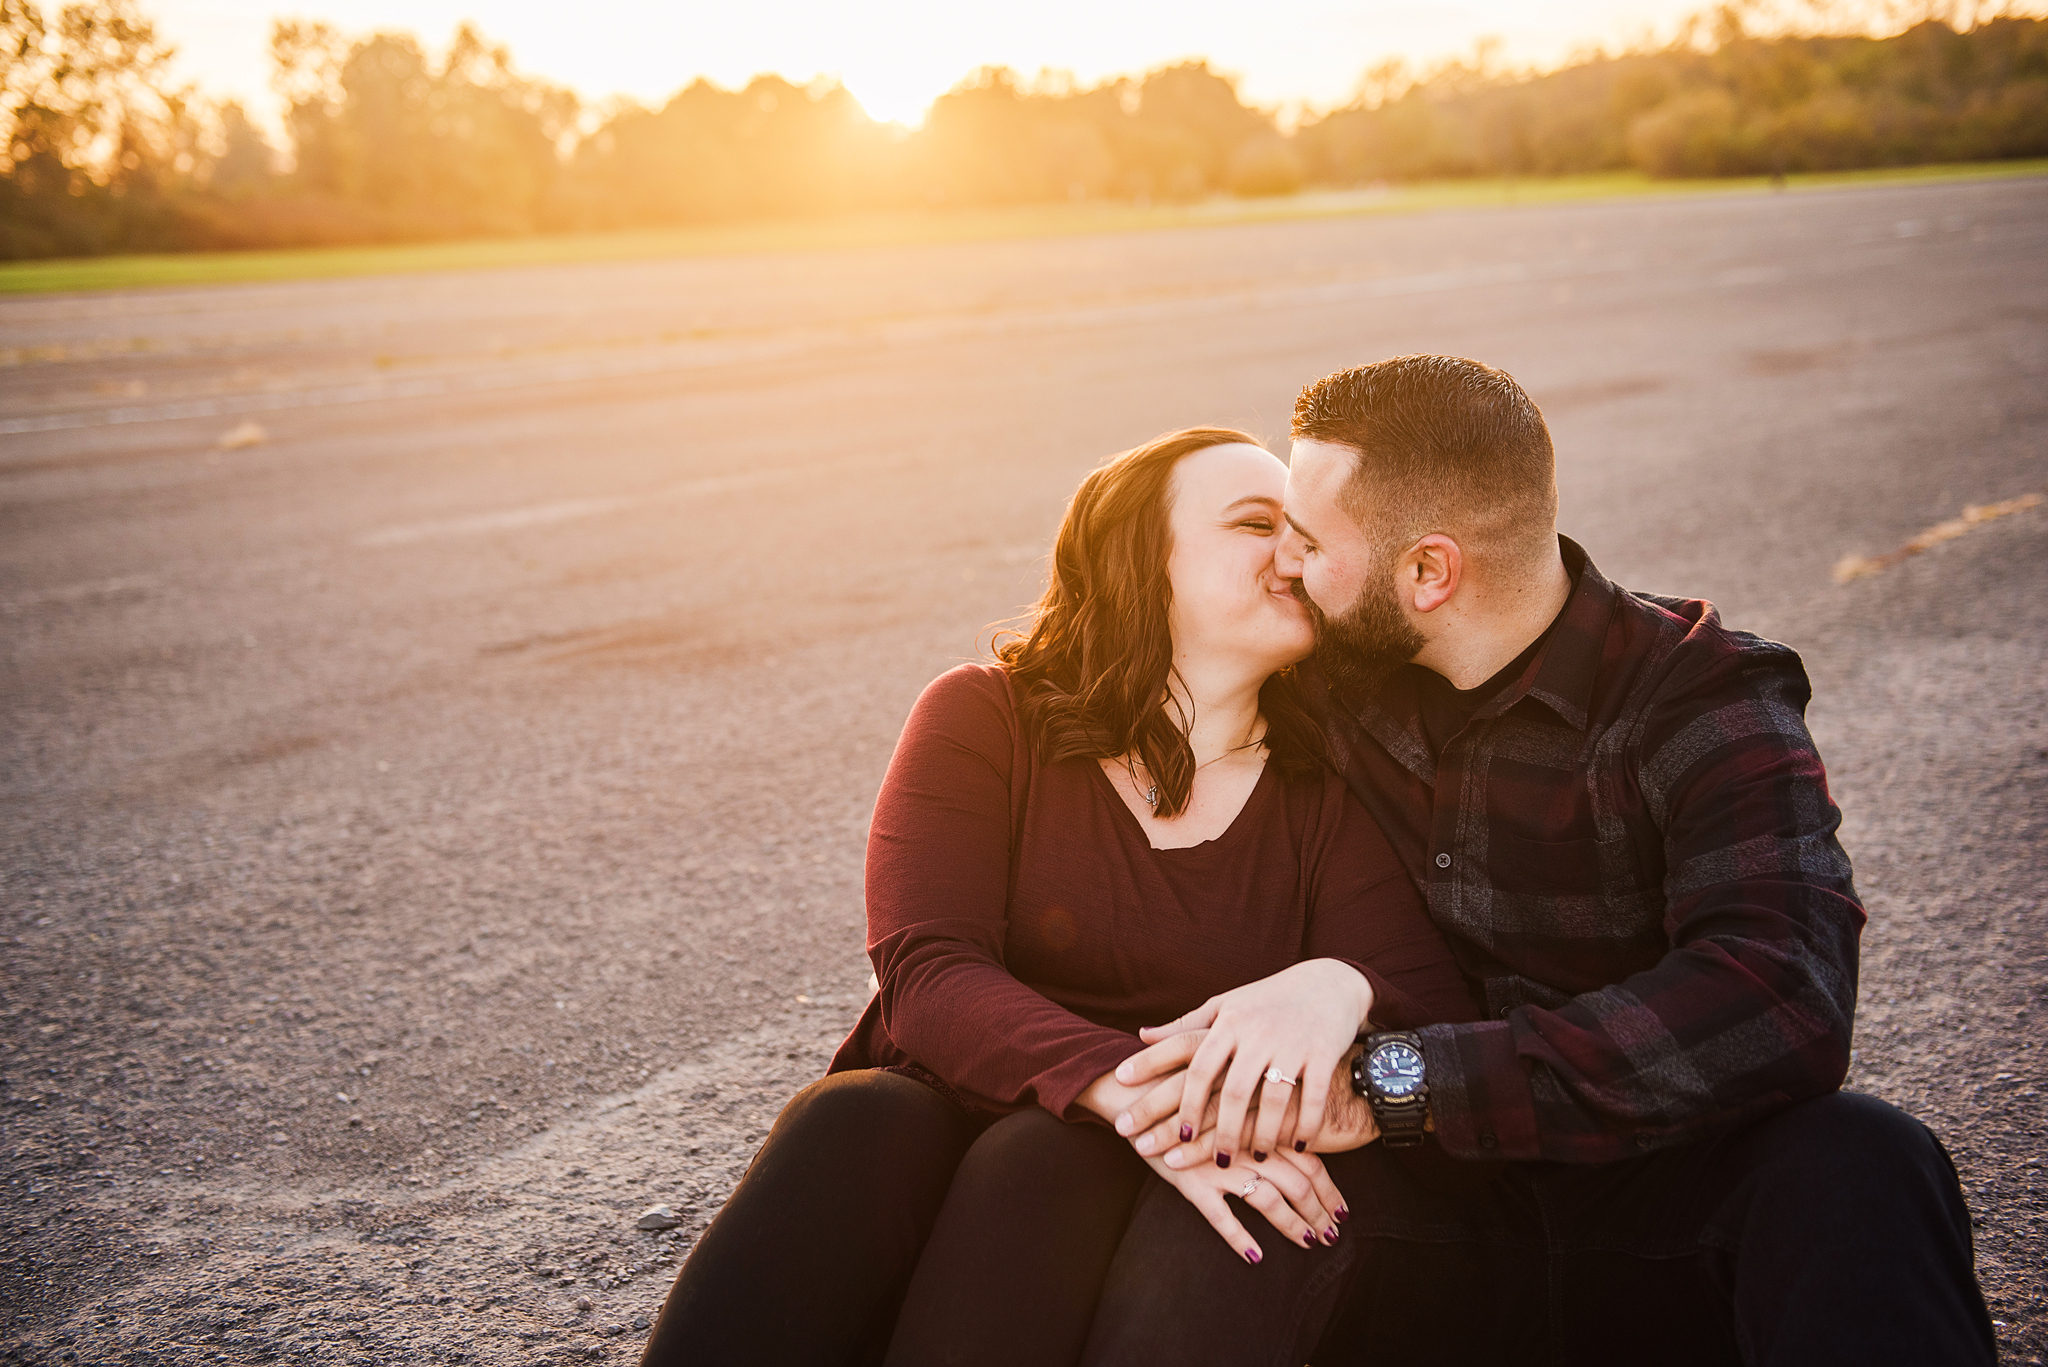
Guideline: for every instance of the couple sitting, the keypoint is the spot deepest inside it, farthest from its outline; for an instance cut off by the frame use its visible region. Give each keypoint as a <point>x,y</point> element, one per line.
<point>1530,879</point>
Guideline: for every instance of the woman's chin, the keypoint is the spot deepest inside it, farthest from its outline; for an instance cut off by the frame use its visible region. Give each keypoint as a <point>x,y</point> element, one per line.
<point>1290,655</point>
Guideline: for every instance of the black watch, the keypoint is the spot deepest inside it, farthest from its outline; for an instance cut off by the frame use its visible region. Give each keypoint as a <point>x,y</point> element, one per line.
<point>1392,1077</point>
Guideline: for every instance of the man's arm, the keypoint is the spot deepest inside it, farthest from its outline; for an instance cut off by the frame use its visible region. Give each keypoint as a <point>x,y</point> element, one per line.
<point>1750,1009</point>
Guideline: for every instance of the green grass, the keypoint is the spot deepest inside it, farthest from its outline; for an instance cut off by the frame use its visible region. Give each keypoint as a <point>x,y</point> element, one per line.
<point>872,230</point>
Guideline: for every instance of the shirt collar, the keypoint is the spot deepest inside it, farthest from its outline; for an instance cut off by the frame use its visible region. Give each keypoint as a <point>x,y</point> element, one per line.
<point>1563,673</point>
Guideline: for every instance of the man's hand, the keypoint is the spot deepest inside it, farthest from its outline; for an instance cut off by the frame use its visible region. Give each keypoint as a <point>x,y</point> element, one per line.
<point>1348,1123</point>
<point>1294,1024</point>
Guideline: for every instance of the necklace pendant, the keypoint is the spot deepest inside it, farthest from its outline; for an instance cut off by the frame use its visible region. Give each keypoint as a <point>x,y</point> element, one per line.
<point>1152,797</point>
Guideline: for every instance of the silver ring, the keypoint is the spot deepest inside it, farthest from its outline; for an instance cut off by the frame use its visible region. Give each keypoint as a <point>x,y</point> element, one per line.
<point>1251,1187</point>
<point>1275,1075</point>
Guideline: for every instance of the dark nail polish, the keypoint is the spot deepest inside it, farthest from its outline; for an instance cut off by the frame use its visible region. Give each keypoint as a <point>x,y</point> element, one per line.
<point>1187,1133</point>
<point>1342,1215</point>
<point>1330,1235</point>
<point>1301,1146</point>
<point>1308,1240</point>
<point>1251,1255</point>
<point>1258,1157</point>
<point>1222,1160</point>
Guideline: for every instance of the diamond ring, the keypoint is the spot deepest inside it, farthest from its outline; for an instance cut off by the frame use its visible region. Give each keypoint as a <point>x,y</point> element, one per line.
<point>1275,1075</point>
<point>1251,1187</point>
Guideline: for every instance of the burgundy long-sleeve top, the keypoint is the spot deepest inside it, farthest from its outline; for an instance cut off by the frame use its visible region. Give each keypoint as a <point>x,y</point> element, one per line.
<point>1023,928</point>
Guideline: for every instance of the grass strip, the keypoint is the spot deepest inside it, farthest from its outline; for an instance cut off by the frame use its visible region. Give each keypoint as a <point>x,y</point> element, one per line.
<point>173,269</point>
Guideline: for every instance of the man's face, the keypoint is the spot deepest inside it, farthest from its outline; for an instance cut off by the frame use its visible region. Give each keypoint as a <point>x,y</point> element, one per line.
<point>1347,583</point>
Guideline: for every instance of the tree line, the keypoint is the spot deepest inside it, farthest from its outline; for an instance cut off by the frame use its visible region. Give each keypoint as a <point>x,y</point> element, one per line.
<point>385,141</point>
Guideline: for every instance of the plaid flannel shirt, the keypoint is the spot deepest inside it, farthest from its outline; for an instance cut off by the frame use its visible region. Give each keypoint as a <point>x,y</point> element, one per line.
<point>1632,851</point>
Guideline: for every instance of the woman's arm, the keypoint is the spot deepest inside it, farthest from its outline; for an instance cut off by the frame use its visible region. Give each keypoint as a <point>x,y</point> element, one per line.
<point>938,881</point>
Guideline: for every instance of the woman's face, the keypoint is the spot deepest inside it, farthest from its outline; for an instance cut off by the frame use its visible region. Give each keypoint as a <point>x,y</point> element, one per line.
<point>1229,607</point>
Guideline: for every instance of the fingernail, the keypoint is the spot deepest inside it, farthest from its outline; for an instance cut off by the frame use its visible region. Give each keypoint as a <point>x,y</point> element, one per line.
<point>1258,1157</point>
<point>1343,1214</point>
<point>1251,1255</point>
<point>1123,1073</point>
<point>1222,1160</point>
<point>1330,1235</point>
<point>1145,1144</point>
<point>1123,1123</point>
<point>1187,1134</point>
<point>1301,1146</point>
<point>1308,1240</point>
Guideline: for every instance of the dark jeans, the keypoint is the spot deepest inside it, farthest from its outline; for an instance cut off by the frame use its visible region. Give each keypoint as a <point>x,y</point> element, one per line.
<point>881,1222</point>
<point>1832,1232</point>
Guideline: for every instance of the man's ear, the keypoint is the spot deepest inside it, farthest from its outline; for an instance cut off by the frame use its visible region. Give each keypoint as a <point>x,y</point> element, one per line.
<point>1434,567</point>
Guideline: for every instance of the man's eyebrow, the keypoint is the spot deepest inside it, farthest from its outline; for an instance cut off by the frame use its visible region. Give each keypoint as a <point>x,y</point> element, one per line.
<point>1299,530</point>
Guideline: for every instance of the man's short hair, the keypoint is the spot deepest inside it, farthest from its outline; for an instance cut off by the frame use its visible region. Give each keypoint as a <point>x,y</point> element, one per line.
<point>1444,445</point>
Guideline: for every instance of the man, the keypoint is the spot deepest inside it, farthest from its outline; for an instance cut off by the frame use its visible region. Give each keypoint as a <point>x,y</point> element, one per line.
<point>1615,812</point>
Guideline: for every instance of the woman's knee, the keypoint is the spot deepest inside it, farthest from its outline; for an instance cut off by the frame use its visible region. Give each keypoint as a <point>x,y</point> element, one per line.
<point>1037,1149</point>
<point>866,1111</point>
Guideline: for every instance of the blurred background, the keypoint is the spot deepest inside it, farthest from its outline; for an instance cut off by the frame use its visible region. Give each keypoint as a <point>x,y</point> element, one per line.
<point>469,539</point>
<point>376,134</point>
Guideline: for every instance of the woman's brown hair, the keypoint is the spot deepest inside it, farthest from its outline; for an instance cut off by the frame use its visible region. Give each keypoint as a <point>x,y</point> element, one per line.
<point>1091,672</point>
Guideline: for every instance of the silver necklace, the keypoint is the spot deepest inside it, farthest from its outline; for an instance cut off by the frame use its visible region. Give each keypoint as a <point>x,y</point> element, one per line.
<point>1151,794</point>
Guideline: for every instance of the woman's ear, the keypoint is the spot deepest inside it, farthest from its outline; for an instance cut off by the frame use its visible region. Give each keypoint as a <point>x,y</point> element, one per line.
<point>1434,567</point>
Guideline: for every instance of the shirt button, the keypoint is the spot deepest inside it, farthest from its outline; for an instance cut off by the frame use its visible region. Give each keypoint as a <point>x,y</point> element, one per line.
<point>1487,1141</point>
<point>1443,861</point>
<point>1642,1141</point>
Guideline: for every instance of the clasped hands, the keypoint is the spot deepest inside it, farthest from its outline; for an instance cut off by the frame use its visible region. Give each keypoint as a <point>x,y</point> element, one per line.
<point>1198,1104</point>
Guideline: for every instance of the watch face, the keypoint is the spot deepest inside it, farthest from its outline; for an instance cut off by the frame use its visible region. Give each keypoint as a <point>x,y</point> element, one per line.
<point>1396,1069</point>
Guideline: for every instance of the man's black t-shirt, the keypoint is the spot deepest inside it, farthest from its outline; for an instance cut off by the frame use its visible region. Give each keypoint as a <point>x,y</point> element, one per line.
<point>1445,710</point>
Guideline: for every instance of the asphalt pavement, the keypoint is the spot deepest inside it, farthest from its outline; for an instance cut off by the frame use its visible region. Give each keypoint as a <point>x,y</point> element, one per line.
<point>439,714</point>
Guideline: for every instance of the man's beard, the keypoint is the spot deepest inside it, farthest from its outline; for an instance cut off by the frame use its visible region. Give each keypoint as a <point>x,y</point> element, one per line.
<point>1360,647</point>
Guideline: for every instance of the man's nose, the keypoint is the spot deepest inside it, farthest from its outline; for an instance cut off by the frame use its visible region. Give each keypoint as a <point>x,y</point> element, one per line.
<point>1287,557</point>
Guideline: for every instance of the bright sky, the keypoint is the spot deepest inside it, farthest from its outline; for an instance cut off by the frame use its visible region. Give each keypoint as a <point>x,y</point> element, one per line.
<point>897,55</point>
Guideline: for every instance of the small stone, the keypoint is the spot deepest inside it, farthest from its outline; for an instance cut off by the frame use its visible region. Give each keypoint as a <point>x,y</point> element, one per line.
<point>583,1305</point>
<point>641,1324</point>
<point>657,1218</point>
<point>248,434</point>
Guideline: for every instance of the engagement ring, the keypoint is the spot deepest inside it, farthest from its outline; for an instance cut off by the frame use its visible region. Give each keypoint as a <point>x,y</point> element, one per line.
<point>1251,1186</point>
<point>1275,1075</point>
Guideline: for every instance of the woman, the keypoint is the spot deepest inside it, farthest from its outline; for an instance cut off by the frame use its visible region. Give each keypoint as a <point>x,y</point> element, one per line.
<point>1125,817</point>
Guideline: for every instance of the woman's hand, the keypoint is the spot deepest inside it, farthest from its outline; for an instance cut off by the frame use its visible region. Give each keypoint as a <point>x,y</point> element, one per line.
<point>1292,1191</point>
<point>1151,1121</point>
<point>1297,1023</point>
<point>1114,1102</point>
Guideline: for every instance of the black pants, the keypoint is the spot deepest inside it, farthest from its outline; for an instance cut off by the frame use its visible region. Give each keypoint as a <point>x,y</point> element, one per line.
<point>1832,1232</point>
<point>881,1223</point>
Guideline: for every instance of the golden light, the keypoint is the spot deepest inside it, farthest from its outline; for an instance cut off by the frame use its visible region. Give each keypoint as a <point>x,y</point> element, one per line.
<point>896,56</point>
